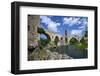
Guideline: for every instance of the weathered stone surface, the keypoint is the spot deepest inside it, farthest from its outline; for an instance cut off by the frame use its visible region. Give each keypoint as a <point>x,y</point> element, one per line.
<point>47,55</point>
<point>33,23</point>
<point>65,56</point>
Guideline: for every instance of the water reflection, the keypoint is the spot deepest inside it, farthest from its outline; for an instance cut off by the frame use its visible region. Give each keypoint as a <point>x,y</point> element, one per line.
<point>76,52</point>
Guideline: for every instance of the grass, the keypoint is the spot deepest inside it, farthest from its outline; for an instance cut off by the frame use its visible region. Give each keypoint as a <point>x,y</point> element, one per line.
<point>81,46</point>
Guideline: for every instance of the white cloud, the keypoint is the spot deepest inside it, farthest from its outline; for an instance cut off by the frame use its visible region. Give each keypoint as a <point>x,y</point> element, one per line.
<point>45,19</point>
<point>82,27</point>
<point>71,21</point>
<point>84,24</point>
<point>76,32</point>
<point>58,24</point>
<point>81,22</point>
<point>67,20</point>
<point>52,26</point>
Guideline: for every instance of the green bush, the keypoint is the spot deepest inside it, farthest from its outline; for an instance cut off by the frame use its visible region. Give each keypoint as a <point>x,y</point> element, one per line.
<point>41,30</point>
<point>84,42</point>
<point>41,47</point>
<point>44,42</point>
<point>73,41</point>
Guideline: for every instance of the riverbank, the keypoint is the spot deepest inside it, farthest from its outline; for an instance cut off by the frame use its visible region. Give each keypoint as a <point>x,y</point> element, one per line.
<point>46,54</point>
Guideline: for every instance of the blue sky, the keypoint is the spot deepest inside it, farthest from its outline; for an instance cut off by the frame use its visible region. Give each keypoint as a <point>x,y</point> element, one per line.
<point>75,25</point>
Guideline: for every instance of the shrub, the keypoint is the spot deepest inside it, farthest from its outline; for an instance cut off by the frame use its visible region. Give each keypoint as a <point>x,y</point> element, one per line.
<point>73,41</point>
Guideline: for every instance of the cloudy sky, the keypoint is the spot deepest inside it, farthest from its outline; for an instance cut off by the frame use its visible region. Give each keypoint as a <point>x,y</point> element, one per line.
<point>75,25</point>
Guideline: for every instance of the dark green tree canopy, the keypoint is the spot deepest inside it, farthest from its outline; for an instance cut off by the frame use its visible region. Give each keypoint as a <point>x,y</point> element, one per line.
<point>73,41</point>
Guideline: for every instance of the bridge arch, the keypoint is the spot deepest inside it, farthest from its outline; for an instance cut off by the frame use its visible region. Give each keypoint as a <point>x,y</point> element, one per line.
<point>73,40</point>
<point>42,31</point>
<point>56,40</point>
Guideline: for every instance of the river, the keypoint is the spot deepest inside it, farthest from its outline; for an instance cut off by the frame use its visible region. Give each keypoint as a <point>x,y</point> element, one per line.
<point>72,51</point>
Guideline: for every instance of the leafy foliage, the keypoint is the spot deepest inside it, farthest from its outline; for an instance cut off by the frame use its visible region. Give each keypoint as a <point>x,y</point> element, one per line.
<point>44,42</point>
<point>83,43</point>
<point>80,46</point>
<point>41,30</point>
<point>73,41</point>
<point>86,34</point>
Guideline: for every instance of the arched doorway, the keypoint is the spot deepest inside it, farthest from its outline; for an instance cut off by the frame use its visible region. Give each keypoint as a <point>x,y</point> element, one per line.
<point>61,38</point>
<point>56,40</point>
<point>66,40</point>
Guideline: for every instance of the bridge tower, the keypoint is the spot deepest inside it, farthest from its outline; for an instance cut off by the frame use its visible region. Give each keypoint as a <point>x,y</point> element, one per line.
<point>33,23</point>
<point>66,37</point>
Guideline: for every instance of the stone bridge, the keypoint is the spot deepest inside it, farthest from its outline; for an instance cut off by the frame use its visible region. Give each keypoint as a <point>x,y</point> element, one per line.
<point>60,37</point>
<point>54,35</point>
<point>33,35</point>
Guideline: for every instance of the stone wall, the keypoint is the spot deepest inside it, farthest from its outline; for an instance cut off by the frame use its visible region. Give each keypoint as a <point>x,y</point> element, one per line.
<point>33,23</point>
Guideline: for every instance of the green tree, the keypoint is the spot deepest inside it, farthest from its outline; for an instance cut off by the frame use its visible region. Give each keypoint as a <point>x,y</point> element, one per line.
<point>44,42</point>
<point>73,41</point>
<point>41,30</point>
<point>86,34</point>
<point>84,42</point>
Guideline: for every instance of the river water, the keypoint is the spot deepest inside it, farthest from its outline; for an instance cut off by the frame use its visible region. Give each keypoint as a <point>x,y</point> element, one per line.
<point>72,51</point>
<point>75,52</point>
